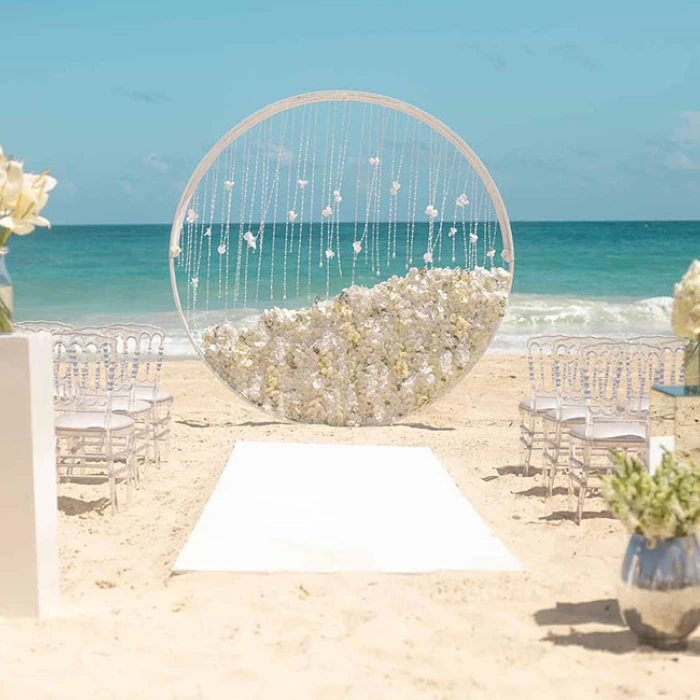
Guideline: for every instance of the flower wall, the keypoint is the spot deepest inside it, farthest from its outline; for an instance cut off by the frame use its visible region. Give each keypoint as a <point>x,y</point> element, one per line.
<point>368,355</point>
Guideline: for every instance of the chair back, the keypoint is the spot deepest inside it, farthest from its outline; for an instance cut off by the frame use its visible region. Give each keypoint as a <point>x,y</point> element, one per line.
<point>672,360</point>
<point>39,326</point>
<point>84,371</point>
<point>603,369</point>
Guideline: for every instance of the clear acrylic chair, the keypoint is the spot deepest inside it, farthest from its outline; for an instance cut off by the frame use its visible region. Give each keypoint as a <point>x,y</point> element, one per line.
<point>141,348</point>
<point>90,436</point>
<point>616,385</point>
<point>570,409</point>
<point>549,362</point>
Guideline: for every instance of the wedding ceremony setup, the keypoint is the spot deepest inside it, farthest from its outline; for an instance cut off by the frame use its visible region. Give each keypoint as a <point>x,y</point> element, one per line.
<point>341,263</point>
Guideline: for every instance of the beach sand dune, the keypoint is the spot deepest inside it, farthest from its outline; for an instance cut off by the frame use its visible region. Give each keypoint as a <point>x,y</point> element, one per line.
<point>128,629</point>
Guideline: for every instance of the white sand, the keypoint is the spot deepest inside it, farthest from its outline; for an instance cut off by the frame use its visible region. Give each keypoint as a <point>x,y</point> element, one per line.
<point>130,630</point>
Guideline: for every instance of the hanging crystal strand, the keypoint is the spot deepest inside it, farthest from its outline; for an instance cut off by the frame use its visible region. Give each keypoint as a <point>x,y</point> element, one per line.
<point>412,196</point>
<point>455,211</point>
<point>446,179</point>
<point>367,245</point>
<point>250,247</point>
<point>200,238</point>
<point>287,221</point>
<point>379,151</point>
<point>227,229</point>
<point>264,205</point>
<point>189,256</point>
<point>392,199</point>
<point>396,185</point>
<point>282,130</point>
<point>304,169</point>
<point>312,204</point>
<point>242,223</point>
<point>338,198</point>
<point>293,213</point>
<point>321,248</point>
<point>356,244</point>
<point>227,169</point>
<point>477,222</point>
<point>209,232</point>
<point>328,186</point>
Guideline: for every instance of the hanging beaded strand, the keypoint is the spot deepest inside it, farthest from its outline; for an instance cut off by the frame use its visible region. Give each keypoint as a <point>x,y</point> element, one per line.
<point>356,243</point>
<point>312,203</point>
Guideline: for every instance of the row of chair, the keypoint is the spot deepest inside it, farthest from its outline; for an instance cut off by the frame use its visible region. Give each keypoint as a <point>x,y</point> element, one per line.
<point>112,415</point>
<point>589,396</point>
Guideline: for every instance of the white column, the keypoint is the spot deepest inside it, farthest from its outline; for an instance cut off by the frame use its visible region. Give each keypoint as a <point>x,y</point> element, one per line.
<point>28,498</point>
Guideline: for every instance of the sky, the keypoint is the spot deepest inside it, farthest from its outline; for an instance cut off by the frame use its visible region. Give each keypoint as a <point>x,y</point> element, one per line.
<point>580,110</point>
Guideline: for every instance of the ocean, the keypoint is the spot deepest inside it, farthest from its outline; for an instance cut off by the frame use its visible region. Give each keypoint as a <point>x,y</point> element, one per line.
<point>613,278</point>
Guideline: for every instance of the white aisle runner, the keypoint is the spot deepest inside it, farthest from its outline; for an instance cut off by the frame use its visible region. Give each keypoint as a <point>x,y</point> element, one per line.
<point>322,508</point>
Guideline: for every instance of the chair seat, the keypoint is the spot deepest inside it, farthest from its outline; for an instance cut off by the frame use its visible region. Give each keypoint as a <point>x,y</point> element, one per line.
<point>568,414</point>
<point>80,421</point>
<point>123,406</point>
<point>635,405</point>
<point>542,404</point>
<point>619,431</point>
<point>145,393</point>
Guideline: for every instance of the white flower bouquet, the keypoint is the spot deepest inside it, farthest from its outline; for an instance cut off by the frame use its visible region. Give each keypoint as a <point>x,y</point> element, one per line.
<point>686,320</point>
<point>367,355</point>
<point>22,197</point>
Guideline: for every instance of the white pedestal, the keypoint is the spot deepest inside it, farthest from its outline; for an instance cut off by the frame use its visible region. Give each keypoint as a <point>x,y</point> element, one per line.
<point>28,498</point>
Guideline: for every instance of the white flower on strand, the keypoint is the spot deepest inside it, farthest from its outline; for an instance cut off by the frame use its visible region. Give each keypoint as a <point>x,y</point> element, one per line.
<point>330,254</point>
<point>221,249</point>
<point>428,257</point>
<point>374,160</point>
<point>175,251</point>
<point>451,232</point>
<point>431,211</point>
<point>357,247</point>
<point>292,215</point>
<point>462,200</point>
<point>473,238</point>
<point>207,233</point>
<point>302,183</point>
<point>192,216</point>
<point>194,282</point>
<point>491,254</point>
<point>395,187</point>
<point>228,185</point>
<point>336,197</point>
<point>506,256</point>
<point>367,356</point>
<point>328,211</point>
<point>250,239</point>
<point>685,317</point>
<point>22,197</point>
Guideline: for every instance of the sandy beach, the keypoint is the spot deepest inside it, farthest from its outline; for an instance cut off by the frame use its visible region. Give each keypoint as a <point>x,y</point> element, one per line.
<point>128,629</point>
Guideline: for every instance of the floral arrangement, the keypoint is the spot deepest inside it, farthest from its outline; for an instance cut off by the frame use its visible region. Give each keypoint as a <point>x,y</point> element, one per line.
<point>368,355</point>
<point>686,304</point>
<point>22,197</point>
<point>657,506</point>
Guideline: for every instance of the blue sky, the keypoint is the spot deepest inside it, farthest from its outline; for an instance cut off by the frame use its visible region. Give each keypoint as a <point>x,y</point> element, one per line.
<point>579,110</point>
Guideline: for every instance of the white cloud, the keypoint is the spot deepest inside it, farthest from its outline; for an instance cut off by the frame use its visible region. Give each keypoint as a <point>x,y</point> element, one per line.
<point>681,161</point>
<point>689,132</point>
<point>155,162</point>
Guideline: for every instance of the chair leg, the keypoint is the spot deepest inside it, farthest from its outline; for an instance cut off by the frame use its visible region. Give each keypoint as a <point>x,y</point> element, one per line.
<point>583,488</point>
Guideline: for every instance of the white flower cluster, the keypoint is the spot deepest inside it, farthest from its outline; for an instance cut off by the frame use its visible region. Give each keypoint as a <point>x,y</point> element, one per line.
<point>22,197</point>
<point>368,355</point>
<point>686,304</point>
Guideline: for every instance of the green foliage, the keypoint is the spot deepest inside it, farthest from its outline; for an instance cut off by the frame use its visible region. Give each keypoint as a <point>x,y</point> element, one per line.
<point>665,504</point>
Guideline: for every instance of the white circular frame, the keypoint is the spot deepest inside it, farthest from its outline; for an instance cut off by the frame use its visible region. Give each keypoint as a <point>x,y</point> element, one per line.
<point>256,118</point>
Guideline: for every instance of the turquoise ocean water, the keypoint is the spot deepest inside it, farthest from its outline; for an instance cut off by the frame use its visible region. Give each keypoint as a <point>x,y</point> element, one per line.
<point>595,277</point>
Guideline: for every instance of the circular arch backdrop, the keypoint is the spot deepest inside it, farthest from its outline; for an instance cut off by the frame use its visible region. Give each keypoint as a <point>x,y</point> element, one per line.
<point>341,257</point>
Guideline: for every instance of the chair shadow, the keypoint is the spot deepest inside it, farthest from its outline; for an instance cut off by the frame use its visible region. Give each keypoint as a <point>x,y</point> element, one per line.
<point>604,611</point>
<point>516,469</point>
<point>571,515</point>
<point>542,491</point>
<point>619,642</point>
<point>421,426</point>
<point>73,506</point>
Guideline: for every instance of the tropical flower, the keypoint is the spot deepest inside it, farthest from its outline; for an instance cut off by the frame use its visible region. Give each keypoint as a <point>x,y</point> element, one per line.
<point>462,200</point>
